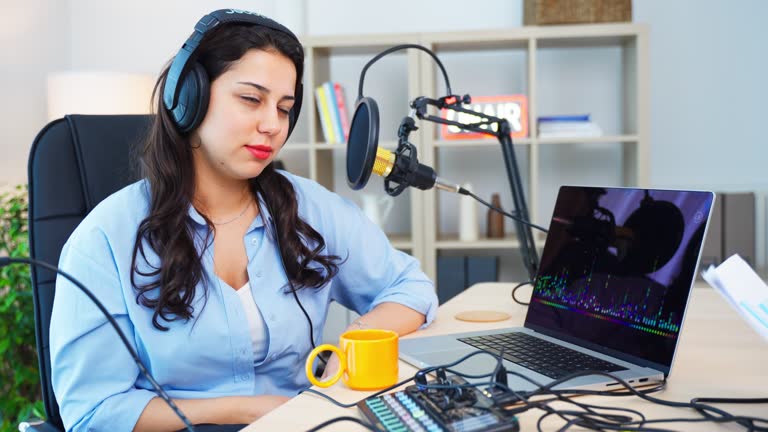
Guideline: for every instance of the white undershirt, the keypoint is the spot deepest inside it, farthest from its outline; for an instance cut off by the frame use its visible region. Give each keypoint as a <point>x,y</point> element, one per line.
<point>256,323</point>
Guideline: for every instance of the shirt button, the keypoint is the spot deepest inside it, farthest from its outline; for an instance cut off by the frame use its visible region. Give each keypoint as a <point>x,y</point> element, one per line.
<point>258,274</point>
<point>254,241</point>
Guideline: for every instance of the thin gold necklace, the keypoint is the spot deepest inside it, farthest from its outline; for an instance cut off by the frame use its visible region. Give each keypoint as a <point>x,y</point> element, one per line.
<point>247,206</point>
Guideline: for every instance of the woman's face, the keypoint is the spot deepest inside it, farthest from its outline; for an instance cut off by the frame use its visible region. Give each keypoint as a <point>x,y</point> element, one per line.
<point>247,120</point>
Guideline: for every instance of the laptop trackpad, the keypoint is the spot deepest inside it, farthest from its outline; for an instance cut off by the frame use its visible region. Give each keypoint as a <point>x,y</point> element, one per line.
<point>477,365</point>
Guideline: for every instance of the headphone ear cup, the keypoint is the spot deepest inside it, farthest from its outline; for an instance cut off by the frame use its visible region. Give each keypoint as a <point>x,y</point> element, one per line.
<point>296,109</point>
<point>193,99</point>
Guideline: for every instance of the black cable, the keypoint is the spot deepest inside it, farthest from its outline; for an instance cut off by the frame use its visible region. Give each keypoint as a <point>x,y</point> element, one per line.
<point>702,420</point>
<point>543,405</point>
<point>519,397</point>
<point>276,235</point>
<point>613,393</point>
<point>500,210</point>
<point>748,422</point>
<point>590,417</point>
<point>396,385</point>
<point>731,400</point>
<point>706,410</point>
<point>518,286</point>
<point>4,261</point>
<point>397,48</point>
<point>341,419</point>
<point>353,404</point>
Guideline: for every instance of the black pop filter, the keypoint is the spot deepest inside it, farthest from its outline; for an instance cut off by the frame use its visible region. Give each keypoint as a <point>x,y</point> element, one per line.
<point>362,143</point>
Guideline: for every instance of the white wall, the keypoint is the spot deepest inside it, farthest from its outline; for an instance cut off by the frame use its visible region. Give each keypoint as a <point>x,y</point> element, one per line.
<point>33,42</point>
<point>140,36</point>
<point>708,92</point>
<point>706,64</point>
<point>403,16</point>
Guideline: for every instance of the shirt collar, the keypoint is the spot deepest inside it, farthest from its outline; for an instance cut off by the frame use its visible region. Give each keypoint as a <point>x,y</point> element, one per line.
<point>258,222</point>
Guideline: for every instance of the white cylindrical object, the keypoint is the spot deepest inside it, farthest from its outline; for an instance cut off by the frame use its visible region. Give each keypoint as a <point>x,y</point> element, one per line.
<point>469,229</point>
<point>98,93</point>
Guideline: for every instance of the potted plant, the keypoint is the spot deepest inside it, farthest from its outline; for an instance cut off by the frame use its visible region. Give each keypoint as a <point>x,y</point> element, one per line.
<point>20,397</point>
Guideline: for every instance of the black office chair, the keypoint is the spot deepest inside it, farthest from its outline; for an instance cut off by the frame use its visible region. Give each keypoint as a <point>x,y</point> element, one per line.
<point>75,162</point>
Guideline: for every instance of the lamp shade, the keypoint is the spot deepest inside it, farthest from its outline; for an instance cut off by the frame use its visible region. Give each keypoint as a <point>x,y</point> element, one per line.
<point>98,93</point>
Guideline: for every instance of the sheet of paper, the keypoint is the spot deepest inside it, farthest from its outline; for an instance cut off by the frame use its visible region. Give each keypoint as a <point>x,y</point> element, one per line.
<point>743,289</point>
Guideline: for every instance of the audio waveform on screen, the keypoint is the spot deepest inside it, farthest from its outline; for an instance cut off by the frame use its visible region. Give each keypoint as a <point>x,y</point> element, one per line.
<point>642,311</point>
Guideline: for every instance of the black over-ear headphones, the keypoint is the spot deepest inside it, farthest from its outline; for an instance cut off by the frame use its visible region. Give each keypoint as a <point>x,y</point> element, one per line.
<point>187,86</point>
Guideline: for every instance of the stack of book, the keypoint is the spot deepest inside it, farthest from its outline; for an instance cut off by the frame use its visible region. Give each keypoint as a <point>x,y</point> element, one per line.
<point>332,110</point>
<point>568,126</point>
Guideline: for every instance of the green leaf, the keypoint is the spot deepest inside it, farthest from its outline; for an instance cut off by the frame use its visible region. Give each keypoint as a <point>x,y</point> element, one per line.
<point>20,397</point>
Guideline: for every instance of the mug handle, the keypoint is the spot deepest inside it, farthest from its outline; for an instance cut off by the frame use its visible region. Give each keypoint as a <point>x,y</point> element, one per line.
<point>311,359</point>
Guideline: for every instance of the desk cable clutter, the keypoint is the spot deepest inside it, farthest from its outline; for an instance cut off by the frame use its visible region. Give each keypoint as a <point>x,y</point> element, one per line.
<point>448,403</point>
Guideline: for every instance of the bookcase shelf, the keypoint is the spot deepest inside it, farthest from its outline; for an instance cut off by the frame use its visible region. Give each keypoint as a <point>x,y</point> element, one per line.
<point>601,69</point>
<point>452,242</point>
<point>492,142</point>
<point>590,140</point>
<point>402,242</point>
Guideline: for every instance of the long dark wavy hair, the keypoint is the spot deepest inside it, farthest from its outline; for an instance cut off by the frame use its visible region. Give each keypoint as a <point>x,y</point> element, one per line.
<point>166,162</point>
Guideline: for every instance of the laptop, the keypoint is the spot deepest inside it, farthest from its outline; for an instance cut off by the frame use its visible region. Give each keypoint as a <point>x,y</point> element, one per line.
<point>610,293</point>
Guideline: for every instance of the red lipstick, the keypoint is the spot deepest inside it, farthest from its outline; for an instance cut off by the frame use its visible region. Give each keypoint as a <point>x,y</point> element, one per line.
<point>260,152</point>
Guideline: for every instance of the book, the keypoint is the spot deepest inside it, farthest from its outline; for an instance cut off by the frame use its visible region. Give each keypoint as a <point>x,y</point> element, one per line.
<point>333,109</point>
<point>568,129</point>
<point>324,114</point>
<point>342,105</point>
<point>564,118</point>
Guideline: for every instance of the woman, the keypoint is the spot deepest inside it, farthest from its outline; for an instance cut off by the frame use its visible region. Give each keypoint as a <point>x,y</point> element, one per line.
<point>198,260</point>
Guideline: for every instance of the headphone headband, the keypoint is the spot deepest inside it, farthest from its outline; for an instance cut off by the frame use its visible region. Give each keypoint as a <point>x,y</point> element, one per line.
<point>222,16</point>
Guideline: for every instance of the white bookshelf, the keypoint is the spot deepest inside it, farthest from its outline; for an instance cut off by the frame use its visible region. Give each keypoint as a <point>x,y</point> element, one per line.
<point>481,63</point>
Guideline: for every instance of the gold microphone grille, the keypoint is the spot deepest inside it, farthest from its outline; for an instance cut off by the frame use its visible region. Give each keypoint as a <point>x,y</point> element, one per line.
<point>384,162</point>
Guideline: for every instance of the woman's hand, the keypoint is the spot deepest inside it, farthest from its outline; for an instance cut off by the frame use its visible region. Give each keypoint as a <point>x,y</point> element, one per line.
<point>331,367</point>
<point>157,416</point>
<point>254,407</point>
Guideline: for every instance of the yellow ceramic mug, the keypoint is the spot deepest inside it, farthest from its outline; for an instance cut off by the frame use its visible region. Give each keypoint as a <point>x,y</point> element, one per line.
<point>368,360</point>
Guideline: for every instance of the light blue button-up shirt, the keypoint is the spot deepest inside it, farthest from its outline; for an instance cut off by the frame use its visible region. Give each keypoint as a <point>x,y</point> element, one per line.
<point>95,380</point>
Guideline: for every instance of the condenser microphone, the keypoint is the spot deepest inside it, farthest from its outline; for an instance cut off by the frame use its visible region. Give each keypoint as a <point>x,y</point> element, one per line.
<point>365,157</point>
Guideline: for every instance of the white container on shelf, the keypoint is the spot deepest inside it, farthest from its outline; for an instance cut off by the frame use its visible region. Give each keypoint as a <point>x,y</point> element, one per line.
<point>469,229</point>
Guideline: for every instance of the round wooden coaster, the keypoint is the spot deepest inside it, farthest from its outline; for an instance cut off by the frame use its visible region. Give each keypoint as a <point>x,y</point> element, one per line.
<point>482,316</point>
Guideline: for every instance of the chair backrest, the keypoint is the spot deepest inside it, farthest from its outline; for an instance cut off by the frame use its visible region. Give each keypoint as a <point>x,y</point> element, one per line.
<point>75,162</point>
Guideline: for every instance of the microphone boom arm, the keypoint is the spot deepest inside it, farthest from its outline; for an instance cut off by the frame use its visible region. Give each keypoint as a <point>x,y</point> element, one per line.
<point>502,133</point>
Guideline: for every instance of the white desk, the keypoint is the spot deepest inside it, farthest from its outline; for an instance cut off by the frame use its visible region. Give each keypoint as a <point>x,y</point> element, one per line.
<point>718,356</point>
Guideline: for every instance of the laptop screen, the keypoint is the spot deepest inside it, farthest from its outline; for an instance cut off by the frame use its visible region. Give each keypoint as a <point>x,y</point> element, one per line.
<point>617,268</point>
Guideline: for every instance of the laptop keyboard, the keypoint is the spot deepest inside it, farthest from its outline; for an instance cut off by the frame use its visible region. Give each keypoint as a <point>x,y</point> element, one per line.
<point>539,355</point>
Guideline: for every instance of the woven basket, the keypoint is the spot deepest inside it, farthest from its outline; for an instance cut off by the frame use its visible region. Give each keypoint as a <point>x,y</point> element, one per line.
<point>540,12</point>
